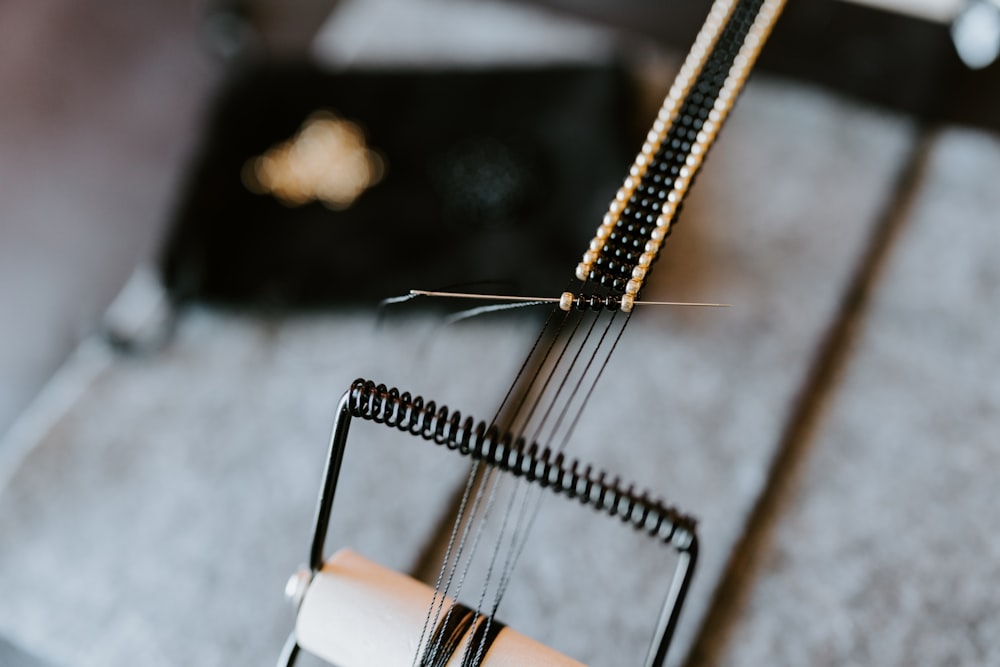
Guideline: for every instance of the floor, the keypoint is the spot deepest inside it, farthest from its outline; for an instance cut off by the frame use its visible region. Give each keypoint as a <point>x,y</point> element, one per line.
<point>833,430</point>
<point>99,113</point>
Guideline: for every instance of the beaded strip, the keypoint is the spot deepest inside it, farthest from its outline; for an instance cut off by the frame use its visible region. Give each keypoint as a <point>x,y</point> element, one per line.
<point>640,216</point>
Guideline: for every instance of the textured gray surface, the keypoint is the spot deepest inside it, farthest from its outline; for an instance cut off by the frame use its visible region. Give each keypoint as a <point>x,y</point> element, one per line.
<point>159,518</point>
<point>887,552</point>
<point>11,656</point>
<point>186,481</point>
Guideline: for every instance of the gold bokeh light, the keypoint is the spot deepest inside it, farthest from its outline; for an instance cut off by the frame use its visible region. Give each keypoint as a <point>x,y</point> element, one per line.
<point>327,161</point>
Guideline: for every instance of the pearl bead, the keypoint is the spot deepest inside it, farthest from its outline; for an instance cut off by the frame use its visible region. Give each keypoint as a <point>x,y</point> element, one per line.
<point>566,301</point>
<point>692,67</point>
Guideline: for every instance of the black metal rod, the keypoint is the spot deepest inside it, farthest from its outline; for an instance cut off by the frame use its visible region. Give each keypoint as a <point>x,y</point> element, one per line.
<point>338,442</point>
<point>414,415</point>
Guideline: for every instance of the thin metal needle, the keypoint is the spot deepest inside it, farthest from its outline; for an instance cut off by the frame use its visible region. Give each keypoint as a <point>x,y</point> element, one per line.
<point>542,299</point>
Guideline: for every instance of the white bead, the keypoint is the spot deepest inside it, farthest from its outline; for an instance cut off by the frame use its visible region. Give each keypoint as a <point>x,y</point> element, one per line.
<point>645,259</point>
<point>638,273</point>
<point>658,233</point>
<point>589,257</point>
<point>627,302</point>
<point>604,231</point>
<point>596,244</point>
<point>652,247</point>
<point>582,271</point>
<point>566,300</point>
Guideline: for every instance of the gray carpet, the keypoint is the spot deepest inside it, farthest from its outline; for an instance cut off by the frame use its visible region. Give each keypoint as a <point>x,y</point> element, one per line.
<point>166,504</point>
<point>12,656</point>
<point>886,551</point>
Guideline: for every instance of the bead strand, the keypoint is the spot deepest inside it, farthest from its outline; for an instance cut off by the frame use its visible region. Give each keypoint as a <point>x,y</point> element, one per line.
<point>738,72</point>
<point>693,64</point>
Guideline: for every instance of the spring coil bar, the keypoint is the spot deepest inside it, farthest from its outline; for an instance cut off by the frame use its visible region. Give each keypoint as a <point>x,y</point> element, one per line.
<point>479,441</point>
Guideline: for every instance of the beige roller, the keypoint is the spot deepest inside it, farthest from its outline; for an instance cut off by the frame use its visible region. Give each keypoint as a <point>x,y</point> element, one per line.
<point>357,613</point>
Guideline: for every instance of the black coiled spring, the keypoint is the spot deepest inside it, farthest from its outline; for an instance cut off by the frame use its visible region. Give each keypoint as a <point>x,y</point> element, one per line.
<point>412,414</point>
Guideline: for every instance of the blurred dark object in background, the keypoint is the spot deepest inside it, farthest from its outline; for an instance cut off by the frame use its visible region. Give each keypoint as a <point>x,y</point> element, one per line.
<point>483,175</point>
<point>425,179</point>
<point>902,60</point>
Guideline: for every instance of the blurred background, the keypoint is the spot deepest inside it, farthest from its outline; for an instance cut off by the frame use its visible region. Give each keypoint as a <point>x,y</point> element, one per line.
<point>860,512</point>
